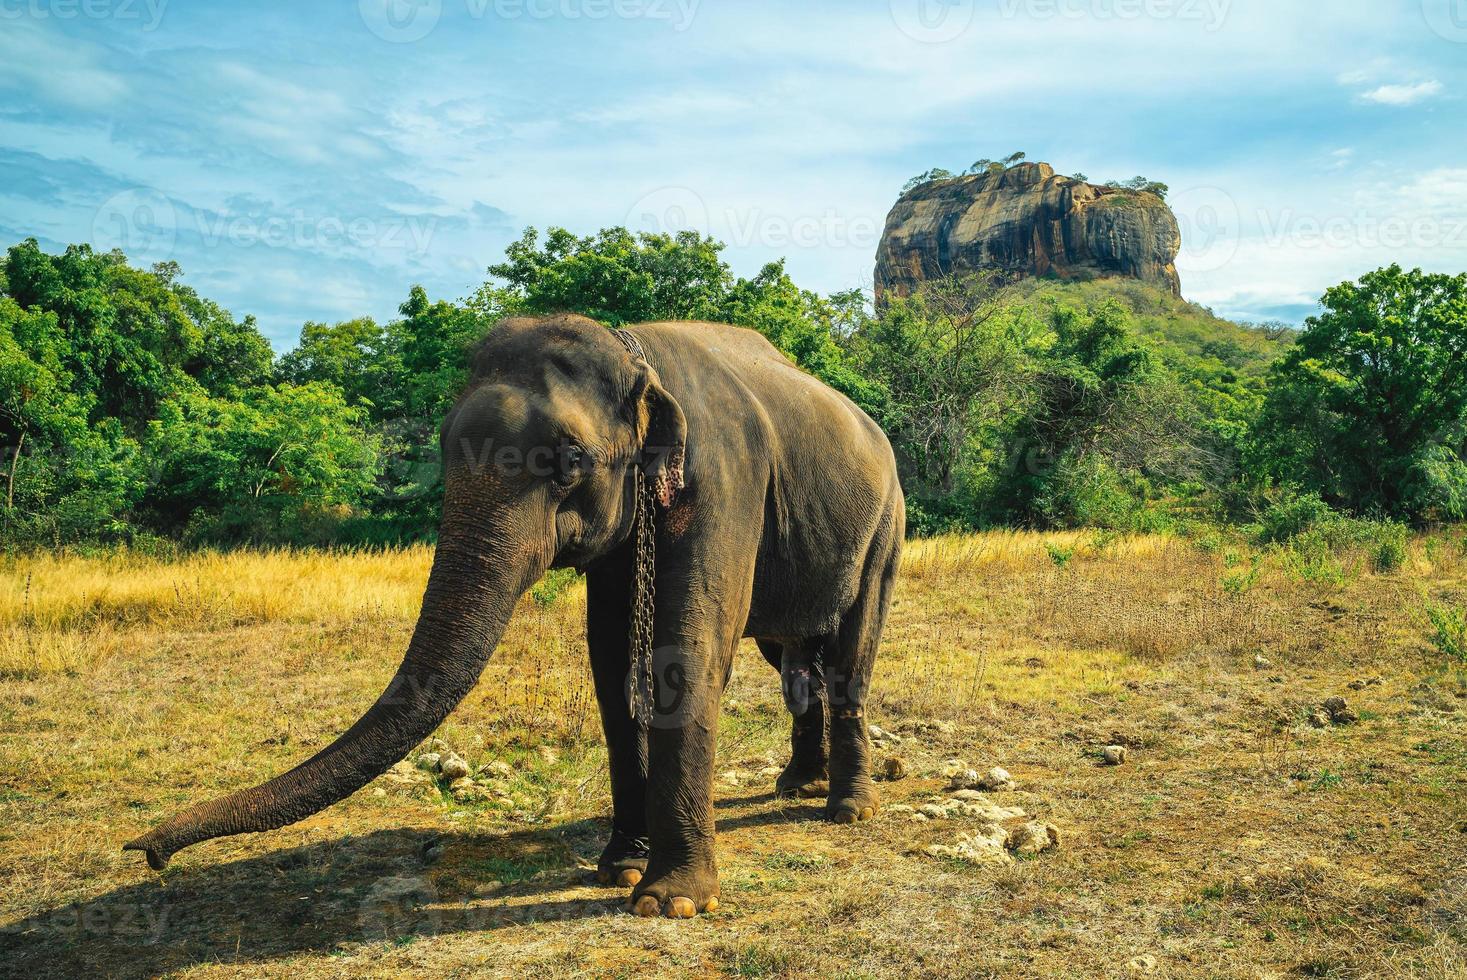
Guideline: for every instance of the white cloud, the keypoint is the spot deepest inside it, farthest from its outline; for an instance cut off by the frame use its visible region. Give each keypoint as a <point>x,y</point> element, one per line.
<point>1403,95</point>
<point>56,70</point>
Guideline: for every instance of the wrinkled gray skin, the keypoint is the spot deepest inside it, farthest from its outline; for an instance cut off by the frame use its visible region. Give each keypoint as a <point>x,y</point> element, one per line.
<point>781,518</point>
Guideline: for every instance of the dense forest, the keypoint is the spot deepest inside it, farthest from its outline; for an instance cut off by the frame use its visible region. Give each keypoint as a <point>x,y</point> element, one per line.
<point>133,410</point>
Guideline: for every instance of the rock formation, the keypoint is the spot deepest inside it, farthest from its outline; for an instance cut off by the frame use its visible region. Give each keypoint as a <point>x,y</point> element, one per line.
<point>1029,221</point>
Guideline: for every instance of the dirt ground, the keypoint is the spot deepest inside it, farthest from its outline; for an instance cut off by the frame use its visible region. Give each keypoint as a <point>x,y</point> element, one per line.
<point>1247,834</point>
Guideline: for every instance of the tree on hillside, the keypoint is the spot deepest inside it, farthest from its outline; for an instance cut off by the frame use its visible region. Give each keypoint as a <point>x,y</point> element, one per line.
<point>1369,408</point>
<point>951,368</point>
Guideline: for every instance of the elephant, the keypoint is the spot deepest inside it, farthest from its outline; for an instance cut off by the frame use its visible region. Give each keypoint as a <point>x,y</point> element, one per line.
<point>710,490</point>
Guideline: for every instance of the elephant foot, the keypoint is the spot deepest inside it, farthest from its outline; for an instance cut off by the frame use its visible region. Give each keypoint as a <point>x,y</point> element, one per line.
<point>678,895</point>
<point>860,804</point>
<point>802,782</point>
<point>624,861</point>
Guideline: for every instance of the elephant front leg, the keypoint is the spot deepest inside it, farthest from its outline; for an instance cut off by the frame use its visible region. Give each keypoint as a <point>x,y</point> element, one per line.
<point>682,874</point>
<point>624,860</point>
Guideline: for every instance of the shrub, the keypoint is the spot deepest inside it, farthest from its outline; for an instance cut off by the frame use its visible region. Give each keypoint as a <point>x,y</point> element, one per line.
<point>1450,625</point>
<point>1388,551</point>
<point>1292,514</point>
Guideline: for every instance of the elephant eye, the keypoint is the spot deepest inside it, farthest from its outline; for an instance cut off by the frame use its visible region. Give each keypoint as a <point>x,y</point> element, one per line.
<point>575,462</point>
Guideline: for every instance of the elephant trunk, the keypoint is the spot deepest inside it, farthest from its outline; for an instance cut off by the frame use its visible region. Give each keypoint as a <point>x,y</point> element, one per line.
<point>466,608</point>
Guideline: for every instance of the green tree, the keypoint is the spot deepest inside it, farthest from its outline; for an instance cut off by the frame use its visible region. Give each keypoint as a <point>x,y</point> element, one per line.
<point>1369,408</point>
<point>356,356</point>
<point>263,466</point>
<point>617,277</point>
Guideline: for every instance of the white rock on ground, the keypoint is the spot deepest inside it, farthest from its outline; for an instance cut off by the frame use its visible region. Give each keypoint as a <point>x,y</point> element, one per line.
<point>1113,755</point>
<point>428,761</point>
<point>986,845</point>
<point>1033,837</point>
<point>995,779</point>
<point>453,766</point>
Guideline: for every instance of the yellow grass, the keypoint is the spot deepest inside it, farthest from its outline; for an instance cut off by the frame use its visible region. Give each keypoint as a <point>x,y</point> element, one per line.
<point>1238,841</point>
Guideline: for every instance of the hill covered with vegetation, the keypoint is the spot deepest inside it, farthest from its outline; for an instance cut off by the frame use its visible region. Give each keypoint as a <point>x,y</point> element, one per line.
<point>134,410</point>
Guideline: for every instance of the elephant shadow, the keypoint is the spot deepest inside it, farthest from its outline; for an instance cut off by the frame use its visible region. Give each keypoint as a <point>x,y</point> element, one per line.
<point>388,886</point>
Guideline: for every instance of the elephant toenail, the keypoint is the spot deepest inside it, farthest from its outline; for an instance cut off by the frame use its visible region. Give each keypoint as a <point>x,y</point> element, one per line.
<point>629,877</point>
<point>712,905</point>
<point>646,907</point>
<point>681,908</point>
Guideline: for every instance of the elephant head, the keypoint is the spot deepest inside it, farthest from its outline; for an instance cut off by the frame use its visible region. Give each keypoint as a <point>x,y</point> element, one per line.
<point>538,458</point>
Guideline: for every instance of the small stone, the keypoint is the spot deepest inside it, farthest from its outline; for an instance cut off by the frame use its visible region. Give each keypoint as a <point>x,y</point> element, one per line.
<point>983,846</point>
<point>428,761</point>
<point>433,853</point>
<point>1319,718</point>
<point>731,777</point>
<point>497,769</point>
<point>996,779</point>
<point>962,779</point>
<point>1033,838</point>
<point>879,734</point>
<point>1340,712</point>
<point>932,811</point>
<point>989,812</point>
<point>1142,964</point>
<point>894,768</point>
<point>1113,755</point>
<point>379,791</point>
<point>1356,685</point>
<point>1260,662</point>
<point>453,767</point>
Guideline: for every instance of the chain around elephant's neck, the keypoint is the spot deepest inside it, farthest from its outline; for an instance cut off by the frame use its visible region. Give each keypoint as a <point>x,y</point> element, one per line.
<point>641,694</point>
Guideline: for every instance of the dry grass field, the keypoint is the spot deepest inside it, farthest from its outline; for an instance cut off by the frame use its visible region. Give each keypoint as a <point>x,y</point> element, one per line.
<point>1239,839</point>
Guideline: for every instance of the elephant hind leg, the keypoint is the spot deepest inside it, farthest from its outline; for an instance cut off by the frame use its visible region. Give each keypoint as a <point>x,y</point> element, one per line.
<point>803,685</point>
<point>848,668</point>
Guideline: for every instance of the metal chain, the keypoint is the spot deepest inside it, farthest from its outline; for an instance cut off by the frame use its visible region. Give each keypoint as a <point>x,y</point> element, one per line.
<point>644,601</point>
<point>642,694</point>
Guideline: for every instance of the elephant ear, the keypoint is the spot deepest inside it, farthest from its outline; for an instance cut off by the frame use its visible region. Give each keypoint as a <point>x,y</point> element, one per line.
<point>664,446</point>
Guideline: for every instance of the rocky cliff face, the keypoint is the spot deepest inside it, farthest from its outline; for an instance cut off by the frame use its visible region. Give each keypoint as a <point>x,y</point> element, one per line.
<point>1029,221</point>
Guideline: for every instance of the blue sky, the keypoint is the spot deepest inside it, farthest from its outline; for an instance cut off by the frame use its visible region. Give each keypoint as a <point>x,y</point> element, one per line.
<point>312,161</point>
